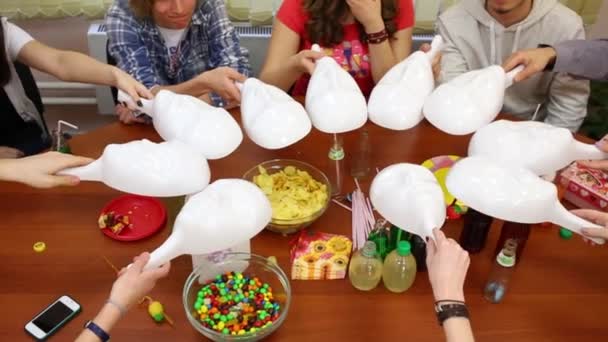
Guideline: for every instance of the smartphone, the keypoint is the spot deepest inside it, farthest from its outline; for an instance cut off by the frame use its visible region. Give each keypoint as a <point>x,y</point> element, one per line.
<point>52,318</point>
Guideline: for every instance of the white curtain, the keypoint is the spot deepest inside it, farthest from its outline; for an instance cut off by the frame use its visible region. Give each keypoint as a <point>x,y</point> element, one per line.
<point>27,9</point>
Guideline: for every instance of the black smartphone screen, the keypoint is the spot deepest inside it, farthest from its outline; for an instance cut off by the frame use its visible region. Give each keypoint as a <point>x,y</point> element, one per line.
<point>53,316</point>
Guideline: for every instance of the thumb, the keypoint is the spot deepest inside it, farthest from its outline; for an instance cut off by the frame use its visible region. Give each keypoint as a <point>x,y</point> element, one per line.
<point>601,233</point>
<point>594,164</point>
<point>140,262</point>
<point>64,180</point>
<point>235,75</point>
<point>524,74</point>
<point>425,47</point>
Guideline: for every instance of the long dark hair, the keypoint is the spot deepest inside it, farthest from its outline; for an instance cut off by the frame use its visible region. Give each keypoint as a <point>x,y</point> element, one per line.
<point>5,71</point>
<point>326,16</point>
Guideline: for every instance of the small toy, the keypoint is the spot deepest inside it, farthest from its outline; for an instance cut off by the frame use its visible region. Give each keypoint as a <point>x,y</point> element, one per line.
<point>39,247</point>
<point>156,310</point>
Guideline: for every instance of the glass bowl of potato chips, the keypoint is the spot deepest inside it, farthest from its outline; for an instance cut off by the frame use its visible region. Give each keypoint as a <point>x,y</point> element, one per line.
<point>298,192</point>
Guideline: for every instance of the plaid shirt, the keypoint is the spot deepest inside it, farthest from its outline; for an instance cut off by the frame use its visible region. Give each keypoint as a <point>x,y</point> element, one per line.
<point>210,41</point>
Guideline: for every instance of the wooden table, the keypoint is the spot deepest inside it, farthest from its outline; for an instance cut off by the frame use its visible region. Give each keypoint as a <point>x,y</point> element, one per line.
<point>559,291</point>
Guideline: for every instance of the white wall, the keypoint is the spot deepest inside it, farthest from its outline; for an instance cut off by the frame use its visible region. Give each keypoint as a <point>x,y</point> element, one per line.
<point>600,28</point>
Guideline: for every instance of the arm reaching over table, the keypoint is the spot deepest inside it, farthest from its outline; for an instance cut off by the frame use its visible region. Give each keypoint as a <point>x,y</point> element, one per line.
<point>132,284</point>
<point>581,58</point>
<point>447,265</point>
<point>40,171</point>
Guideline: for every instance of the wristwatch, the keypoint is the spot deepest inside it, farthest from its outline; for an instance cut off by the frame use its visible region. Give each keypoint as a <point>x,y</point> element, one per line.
<point>98,331</point>
<point>449,308</point>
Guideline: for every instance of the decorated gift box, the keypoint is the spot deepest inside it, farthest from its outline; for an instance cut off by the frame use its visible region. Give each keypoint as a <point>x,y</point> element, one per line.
<point>585,187</point>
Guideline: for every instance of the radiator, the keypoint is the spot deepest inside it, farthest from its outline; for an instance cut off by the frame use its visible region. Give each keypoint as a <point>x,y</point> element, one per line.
<point>98,40</point>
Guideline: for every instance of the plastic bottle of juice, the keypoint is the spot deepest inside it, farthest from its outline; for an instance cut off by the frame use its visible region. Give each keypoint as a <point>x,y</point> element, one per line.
<point>365,270</point>
<point>399,270</point>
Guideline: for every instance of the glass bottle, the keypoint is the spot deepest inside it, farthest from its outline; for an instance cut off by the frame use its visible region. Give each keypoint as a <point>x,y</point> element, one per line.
<point>419,252</point>
<point>360,162</point>
<point>516,231</point>
<point>495,288</point>
<point>365,270</point>
<point>335,170</point>
<point>399,269</point>
<point>475,231</point>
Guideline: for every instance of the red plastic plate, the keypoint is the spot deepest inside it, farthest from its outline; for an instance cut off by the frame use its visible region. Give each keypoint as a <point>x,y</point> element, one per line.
<point>147,215</point>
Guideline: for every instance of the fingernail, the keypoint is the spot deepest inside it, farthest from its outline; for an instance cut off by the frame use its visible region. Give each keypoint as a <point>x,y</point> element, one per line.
<point>139,103</point>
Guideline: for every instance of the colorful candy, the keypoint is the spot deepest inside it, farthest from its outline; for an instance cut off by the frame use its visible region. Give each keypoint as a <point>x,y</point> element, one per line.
<point>236,304</point>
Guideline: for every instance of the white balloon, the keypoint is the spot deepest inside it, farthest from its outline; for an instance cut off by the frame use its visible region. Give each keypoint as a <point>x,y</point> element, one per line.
<point>210,130</point>
<point>409,197</point>
<point>510,193</point>
<point>469,101</point>
<point>271,118</point>
<point>226,213</point>
<point>333,98</point>
<point>145,168</point>
<point>537,146</point>
<point>397,100</point>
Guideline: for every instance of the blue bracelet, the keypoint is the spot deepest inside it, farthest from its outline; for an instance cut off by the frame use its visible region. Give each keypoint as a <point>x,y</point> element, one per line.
<point>98,331</point>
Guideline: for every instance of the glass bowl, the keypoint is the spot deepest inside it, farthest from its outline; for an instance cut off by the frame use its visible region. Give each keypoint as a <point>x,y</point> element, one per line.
<point>292,225</point>
<point>250,265</point>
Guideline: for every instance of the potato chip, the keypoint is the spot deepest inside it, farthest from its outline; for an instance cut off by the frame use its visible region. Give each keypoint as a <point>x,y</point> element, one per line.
<point>293,193</point>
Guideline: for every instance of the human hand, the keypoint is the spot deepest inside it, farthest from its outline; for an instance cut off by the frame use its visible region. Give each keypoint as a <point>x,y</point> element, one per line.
<point>368,13</point>
<point>304,61</point>
<point>10,153</point>
<point>597,217</point>
<point>133,282</point>
<point>127,117</point>
<point>221,80</point>
<point>436,62</point>
<point>534,61</point>
<point>129,85</point>
<point>40,171</point>
<point>447,265</point>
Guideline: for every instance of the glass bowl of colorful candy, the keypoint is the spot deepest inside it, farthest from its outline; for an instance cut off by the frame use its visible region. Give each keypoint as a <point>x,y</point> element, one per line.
<point>298,192</point>
<point>237,297</point>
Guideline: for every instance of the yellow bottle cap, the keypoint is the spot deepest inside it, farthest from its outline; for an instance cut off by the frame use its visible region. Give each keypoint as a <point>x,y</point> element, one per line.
<point>39,247</point>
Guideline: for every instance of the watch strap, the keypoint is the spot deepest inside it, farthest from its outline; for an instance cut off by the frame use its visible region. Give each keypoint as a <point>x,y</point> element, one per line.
<point>98,331</point>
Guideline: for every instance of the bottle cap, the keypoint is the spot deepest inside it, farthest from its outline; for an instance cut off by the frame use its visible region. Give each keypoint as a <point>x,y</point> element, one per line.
<point>369,249</point>
<point>404,248</point>
<point>565,233</point>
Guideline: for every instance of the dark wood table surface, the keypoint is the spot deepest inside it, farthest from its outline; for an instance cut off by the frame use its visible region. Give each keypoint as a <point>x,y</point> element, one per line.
<point>558,292</point>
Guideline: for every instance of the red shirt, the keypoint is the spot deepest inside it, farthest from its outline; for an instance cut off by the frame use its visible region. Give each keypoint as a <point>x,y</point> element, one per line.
<point>352,54</point>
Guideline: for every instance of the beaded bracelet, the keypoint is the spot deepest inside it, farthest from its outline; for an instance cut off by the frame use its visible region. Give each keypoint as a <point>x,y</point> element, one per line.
<point>377,37</point>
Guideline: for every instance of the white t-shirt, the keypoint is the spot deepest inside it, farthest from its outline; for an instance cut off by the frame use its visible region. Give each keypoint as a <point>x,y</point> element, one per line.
<point>14,39</point>
<point>172,39</point>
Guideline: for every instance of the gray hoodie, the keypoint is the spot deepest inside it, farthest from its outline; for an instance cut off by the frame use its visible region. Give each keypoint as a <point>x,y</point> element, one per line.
<point>474,40</point>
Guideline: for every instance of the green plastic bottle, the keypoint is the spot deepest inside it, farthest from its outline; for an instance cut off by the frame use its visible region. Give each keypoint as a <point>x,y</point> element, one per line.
<point>399,270</point>
<point>365,270</point>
